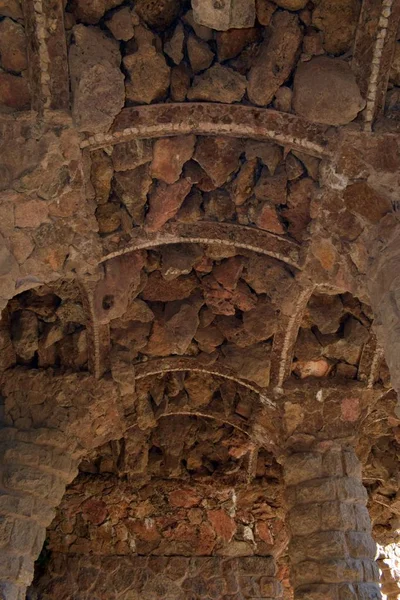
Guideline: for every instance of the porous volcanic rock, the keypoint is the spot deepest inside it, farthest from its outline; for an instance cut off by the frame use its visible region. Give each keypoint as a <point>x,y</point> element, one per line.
<point>12,46</point>
<point>96,79</point>
<point>218,84</point>
<point>325,91</point>
<point>338,21</point>
<point>276,60</point>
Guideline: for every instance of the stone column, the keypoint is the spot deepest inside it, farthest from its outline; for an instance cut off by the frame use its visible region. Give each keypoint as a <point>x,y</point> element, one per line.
<point>35,467</point>
<point>331,548</point>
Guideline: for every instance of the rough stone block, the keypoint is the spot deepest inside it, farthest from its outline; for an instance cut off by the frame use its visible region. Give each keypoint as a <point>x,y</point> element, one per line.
<point>352,465</point>
<point>23,536</point>
<point>305,519</point>
<point>270,588</point>
<point>349,489</point>
<point>324,545</point>
<point>368,591</point>
<point>337,516</point>
<point>371,571</point>
<point>360,545</point>
<point>338,571</point>
<point>317,592</point>
<point>303,466</point>
<point>223,15</point>
<point>31,481</point>
<point>332,465</point>
<point>6,526</point>
<point>320,490</point>
<point>347,591</point>
<point>305,572</point>
<point>257,565</point>
<point>362,518</point>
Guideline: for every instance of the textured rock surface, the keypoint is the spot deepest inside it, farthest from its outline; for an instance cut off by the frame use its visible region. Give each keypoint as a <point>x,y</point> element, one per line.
<point>326,91</point>
<point>232,14</point>
<point>218,84</point>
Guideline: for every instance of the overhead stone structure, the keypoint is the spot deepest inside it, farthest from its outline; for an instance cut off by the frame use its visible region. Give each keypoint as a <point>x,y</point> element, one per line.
<point>199,333</point>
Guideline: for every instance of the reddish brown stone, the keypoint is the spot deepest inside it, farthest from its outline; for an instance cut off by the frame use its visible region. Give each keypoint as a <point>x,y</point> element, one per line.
<point>12,46</point>
<point>180,82</point>
<point>14,92</point>
<point>231,42</point>
<point>164,203</point>
<point>218,84</point>
<point>169,156</point>
<point>267,218</point>
<point>218,156</point>
<point>362,199</point>
<point>94,511</point>
<point>222,523</point>
<point>199,53</point>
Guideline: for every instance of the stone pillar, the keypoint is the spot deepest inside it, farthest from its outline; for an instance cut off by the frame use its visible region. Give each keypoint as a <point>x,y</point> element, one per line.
<point>389,564</point>
<point>35,467</point>
<point>331,548</point>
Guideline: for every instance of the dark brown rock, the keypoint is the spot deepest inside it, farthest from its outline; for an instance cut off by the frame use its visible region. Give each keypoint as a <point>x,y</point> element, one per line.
<point>11,8</point>
<point>253,364</point>
<point>199,53</point>
<point>12,46</point>
<point>24,334</point>
<point>88,11</point>
<point>301,193</point>
<point>265,9</point>
<point>218,205</point>
<point>132,187</point>
<point>218,84</point>
<point>218,156</point>
<point>140,87</point>
<point>243,184</point>
<point>164,203</point>
<point>230,43</point>
<point>283,99</point>
<point>121,25</point>
<point>159,289</point>
<point>169,156</point>
<point>362,199</point>
<point>272,188</point>
<point>180,82</point>
<point>271,154</point>
<point>174,46</point>
<point>276,60</point>
<point>129,155</point>
<point>325,91</point>
<point>108,217</point>
<point>158,14</point>
<point>101,174</point>
<point>325,312</point>
<point>14,92</point>
<point>174,334</point>
<point>266,217</point>
<point>291,4</point>
<point>179,259</point>
<point>338,23</point>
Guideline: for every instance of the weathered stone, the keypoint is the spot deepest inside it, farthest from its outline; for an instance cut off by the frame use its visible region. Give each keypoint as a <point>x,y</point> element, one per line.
<point>174,334</point>
<point>101,174</point>
<point>120,24</point>
<point>31,213</point>
<point>169,156</point>
<point>14,92</point>
<point>294,167</point>
<point>312,44</point>
<point>299,199</point>
<point>307,346</point>
<point>395,67</point>
<point>283,99</point>
<point>199,53</point>
<point>24,334</point>
<point>362,199</point>
<point>234,14</point>
<point>223,524</point>
<point>276,60</point>
<point>349,347</point>
<point>325,91</point>
<point>254,364</point>
<point>203,32</point>
<point>209,338</point>
<point>174,46</point>
<point>108,217</point>
<point>159,289</point>
<point>159,14</point>
<point>96,80</point>
<point>179,259</point>
<point>191,211</point>
<point>272,188</point>
<point>164,203</point>
<point>261,321</point>
<point>218,205</point>
<point>11,8</point>
<point>230,43</point>
<point>130,155</point>
<point>180,82</point>
<point>218,84</point>
<point>140,87</point>
<point>132,188</point>
<point>270,154</point>
<point>243,184</point>
<point>88,11</point>
<point>265,9</point>
<point>326,312</point>
<point>312,368</point>
<point>266,217</point>
<point>12,46</point>
<point>338,23</point>
<point>218,156</point>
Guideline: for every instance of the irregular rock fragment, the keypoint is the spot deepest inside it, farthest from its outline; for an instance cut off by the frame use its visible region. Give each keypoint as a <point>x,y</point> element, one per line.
<point>12,46</point>
<point>228,272</point>
<point>180,82</point>
<point>200,54</point>
<point>299,199</point>
<point>130,155</point>
<point>108,217</point>
<point>266,218</point>
<point>291,4</point>
<point>265,9</point>
<point>88,11</point>
<point>283,99</point>
<point>173,335</point>
<point>101,174</point>
<point>132,187</point>
<point>253,364</point>
<point>312,368</point>
<point>325,91</point>
<point>326,312</point>
<point>294,167</point>
<point>218,205</point>
<point>338,21</point>
<point>243,184</point>
<point>164,203</point>
<point>218,156</point>
<point>14,92</point>
<point>203,32</point>
<point>169,156</point>
<point>272,188</point>
<point>232,14</point>
<point>25,333</point>
<point>361,199</point>
<point>174,46</point>
<point>140,87</point>
<point>96,79</point>
<point>307,346</point>
<point>230,43</point>
<point>158,14</point>
<point>159,289</point>
<point>11,8</point>
<point>271,154</point>
<point>350,346</point>
<point>218,84</point>
<point>121,25</point>
<point>179,259</point>
<point>276,60</point>
<point>209,338</point>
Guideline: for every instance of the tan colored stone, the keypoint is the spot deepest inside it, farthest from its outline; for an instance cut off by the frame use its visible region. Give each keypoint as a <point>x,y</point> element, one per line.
<point>140,87</point>
<point>338,22</point>
<point>199,53</point>
<point>169,156</point>
<point>283,99</point>
<point>101,174</point>
<point>325,91</point>
<point>108,217</point>
<point>218,84</point>
<point>276,59</point>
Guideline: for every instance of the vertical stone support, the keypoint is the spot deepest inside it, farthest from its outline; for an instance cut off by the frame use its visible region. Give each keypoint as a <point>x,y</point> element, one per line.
<point>389,564</point>
<point>35,467</point>
<point>331,548</point>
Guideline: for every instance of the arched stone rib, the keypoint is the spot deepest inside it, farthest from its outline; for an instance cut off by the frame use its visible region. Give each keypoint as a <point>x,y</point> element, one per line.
<point>286,336</point>
<point>159,120</point>
<point>370,361</point>
<point>224,234</point>
<point>174,364</point>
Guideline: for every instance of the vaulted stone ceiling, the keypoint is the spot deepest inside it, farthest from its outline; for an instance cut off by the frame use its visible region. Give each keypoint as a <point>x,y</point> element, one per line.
<point>193,195</point>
